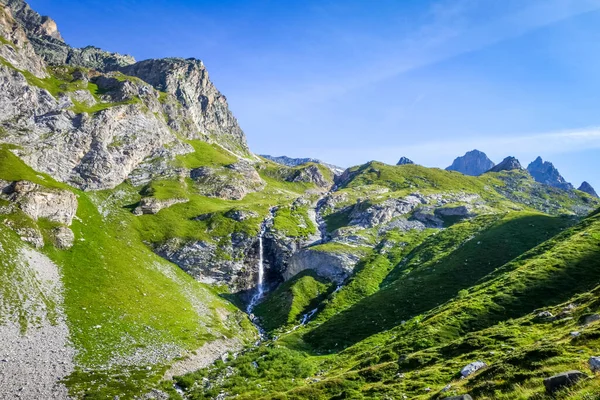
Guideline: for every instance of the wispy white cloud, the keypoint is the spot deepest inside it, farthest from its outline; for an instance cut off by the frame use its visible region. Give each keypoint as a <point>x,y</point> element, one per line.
<point>449,30</point>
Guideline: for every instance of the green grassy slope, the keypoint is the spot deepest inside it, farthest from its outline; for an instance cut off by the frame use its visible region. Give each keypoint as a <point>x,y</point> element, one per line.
<point>125,306</point>
<point>436,271</point>
<point>286,305</point>
<point>494,321</point>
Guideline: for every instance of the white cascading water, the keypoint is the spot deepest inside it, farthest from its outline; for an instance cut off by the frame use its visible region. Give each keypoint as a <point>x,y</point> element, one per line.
<point>261,272</point>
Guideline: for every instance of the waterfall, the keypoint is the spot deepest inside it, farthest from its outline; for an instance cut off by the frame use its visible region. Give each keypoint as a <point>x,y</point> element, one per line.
<point>260,290</point>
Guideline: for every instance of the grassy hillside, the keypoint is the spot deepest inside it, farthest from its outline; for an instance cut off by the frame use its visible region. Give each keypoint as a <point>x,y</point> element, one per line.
<point>436,271</point>
<point>494,320</point>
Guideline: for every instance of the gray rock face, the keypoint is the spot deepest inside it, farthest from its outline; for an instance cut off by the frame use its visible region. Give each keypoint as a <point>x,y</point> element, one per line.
<point>404,161</point>
<point>49,44</point>
<point>545,172</point>
<point>331,265</point>
<point>508,164</point>
<point>36,202</point>
<point>384,212</point>
<point>205,262</point>
<point>565,379</point>
<point>33,23</point>
<point>40,202</point>
<point>130,130</point>
<point>473,163</point>
<point>587,188</point>
<point>311,174</point>
<point>294,162</point>
<point>231,182</point>
<point>63,237</point>
<point>207,109</point>
<point>20,53</point>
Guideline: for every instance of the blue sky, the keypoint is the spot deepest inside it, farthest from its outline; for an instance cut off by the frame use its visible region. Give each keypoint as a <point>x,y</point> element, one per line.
<point>350,81</point>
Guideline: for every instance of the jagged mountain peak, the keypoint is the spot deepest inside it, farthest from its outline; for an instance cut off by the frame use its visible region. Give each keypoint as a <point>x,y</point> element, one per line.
<point>508,164</point>
<point>587,188</point>
<point>45,37</point>
<point>545,172</point>
<point>33,23</point>
<point>404,161</point>
<point>473,163</point>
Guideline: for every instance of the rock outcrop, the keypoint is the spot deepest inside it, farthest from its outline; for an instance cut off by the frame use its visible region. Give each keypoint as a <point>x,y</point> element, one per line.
<point>545,172</point>
<point>473,163</point>
<point>335,266</point>
<point>48,43</point>
<point>587,188</point>
<point>311,174</point>
<point>404,161</point>
<point>231,182</point>
<point>96,139</point>
<point>187,80</point>
<point>508,164</point>
<point>39,202</point>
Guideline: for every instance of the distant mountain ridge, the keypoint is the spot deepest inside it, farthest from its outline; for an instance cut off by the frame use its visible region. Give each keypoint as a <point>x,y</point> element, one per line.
<point>294,162</point>
<point>404,161</point>
<point>587,188</point>
<point>545,172</point>
<point>473,163</point>
<point>508,164</point>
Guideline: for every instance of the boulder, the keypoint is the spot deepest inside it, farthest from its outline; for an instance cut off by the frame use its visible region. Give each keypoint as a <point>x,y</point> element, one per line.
<point>461,397</point>
<point>565,379</point>
<point>151,205</point>
<point>588,319</point>
<point>472,368</point>
<point>544,315</point>
<point>63,237</point>
<point>41,202</point>
<point>594,362</point>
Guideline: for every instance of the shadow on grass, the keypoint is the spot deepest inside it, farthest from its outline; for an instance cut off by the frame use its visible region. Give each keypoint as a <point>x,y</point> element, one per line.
<point>423,289</point>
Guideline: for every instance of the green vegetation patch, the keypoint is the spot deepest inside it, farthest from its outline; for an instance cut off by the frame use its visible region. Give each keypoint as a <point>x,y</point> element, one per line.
<point>298,296</point>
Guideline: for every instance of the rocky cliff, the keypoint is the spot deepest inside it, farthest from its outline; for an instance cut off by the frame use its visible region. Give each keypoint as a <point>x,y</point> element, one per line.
<point>95,129</point>
<point>473,163</point>
<point>48,43</point>
<point>545,172</point>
